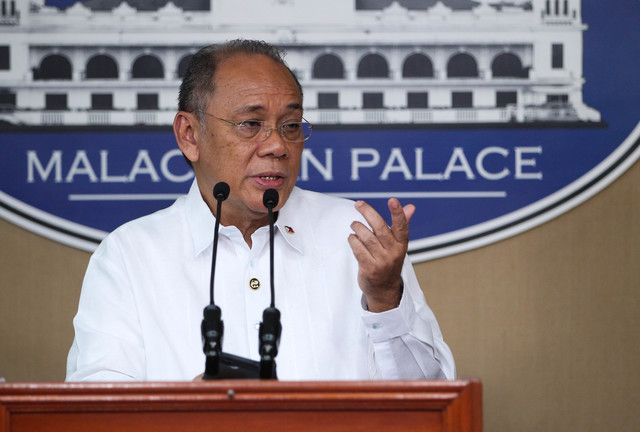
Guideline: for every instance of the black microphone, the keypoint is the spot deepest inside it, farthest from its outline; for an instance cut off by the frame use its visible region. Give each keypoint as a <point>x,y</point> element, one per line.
<point>212,327</point>
<point>270,327</point>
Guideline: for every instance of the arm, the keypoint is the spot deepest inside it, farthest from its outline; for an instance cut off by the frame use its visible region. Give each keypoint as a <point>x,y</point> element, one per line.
<point>406,341</point>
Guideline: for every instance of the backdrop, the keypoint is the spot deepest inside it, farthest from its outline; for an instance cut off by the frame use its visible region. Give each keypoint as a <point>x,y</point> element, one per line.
<point>492,117</point>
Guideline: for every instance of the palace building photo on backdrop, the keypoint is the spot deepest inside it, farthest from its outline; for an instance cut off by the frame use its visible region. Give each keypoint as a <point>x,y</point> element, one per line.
<point>512,126</point>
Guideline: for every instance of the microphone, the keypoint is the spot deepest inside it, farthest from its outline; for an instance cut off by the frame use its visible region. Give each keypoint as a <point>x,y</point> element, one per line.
<point>270,199</point>
<point>270,327</point>
<point>212,326</point>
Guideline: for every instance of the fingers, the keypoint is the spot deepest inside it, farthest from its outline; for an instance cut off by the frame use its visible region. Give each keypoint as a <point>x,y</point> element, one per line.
<point>360,251</point>
<point>409,210</point>
<point>400,217</point>
<point>376,222</point>
<point>365,240</point>
<point>379,236</point>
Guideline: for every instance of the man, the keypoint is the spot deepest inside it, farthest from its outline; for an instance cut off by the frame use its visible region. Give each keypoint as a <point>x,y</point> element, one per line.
<point>350,301</point>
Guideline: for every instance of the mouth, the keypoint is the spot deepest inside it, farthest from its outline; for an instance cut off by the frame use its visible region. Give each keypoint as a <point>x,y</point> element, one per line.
<point>270,180</point>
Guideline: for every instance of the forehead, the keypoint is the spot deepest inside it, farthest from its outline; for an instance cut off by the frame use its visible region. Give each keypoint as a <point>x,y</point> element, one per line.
<point>253,80</point>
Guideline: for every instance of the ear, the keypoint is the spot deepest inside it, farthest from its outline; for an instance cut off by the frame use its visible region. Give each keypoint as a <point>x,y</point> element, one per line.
<point>186,129</point>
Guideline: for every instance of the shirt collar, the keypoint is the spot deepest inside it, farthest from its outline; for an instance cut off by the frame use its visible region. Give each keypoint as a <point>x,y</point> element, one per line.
<point>202,221</point>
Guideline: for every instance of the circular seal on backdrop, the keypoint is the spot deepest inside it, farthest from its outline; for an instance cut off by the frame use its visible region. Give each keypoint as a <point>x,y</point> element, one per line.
<point>486,136</point>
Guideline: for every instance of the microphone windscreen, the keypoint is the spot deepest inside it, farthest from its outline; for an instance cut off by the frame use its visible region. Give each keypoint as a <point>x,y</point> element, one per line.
<point>270,198</point>
<point>221,191</point>
<point>271,317</point>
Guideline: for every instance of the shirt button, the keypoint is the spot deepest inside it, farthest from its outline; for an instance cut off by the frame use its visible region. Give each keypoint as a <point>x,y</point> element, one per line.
<point>376,326</point>
<point>254,283</point>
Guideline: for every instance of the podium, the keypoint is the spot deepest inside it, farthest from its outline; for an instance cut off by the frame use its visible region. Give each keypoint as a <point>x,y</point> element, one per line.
<point>241,405</point>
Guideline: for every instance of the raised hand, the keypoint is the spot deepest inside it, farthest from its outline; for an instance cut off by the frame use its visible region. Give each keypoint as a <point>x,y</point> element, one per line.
<point>380,252</point>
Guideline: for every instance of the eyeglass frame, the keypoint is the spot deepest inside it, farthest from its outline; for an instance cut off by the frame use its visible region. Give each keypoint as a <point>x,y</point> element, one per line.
<point>262,129</point>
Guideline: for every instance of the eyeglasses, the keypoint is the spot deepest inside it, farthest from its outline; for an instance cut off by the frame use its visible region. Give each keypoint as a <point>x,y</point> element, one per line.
<point>293,131</point>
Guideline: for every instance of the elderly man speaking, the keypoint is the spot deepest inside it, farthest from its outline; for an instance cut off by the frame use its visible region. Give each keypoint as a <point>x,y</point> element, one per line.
<point>350,303</point>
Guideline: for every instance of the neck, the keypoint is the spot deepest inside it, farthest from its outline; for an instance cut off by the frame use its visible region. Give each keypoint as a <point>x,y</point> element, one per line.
<point>247,228</point>
<point>247,224</point>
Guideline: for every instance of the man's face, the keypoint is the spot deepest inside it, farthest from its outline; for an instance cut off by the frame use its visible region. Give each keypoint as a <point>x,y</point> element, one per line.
<point>249,88</point>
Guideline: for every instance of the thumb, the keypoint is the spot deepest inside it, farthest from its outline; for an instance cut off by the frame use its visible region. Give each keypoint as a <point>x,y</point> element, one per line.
<point>409,210</point>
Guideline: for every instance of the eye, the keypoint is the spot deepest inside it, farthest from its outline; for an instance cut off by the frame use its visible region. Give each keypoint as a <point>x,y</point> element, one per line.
<point>249,128</point>
<point>250,124</point>
<point>290,127</point>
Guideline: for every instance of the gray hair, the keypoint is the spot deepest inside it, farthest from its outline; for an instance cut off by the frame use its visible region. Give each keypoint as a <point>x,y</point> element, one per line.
<point>197,85</point>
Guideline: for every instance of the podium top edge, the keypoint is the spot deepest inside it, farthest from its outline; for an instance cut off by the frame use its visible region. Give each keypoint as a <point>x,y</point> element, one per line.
<point>252,386</point>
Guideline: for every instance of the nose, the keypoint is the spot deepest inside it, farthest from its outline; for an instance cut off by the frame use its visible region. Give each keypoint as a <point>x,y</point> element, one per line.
<point>265,132</point>
<point>272,144</point>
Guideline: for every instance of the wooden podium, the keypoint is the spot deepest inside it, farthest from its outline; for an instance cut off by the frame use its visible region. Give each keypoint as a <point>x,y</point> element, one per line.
<point>239,406</point>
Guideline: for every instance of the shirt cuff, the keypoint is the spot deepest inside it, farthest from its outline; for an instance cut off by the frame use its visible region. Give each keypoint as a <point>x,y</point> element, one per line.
<point>390,324</point>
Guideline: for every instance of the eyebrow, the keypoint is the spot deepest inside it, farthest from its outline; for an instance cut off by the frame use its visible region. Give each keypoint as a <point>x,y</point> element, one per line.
<point>255,108</point>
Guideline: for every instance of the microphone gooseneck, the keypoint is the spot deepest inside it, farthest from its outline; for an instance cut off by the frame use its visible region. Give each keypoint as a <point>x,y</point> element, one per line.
<point>270,327</point>
<point>220,193</point>
<point>270,200</point>
<point>212,327</point>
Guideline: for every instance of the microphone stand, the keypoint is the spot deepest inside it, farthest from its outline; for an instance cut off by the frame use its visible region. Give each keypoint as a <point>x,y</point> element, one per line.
<point>270,327</point>
<point>221,365</point>
<point>212,326</point>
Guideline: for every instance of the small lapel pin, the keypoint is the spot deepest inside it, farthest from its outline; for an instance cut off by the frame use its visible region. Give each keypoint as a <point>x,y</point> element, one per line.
<point>289,229</point>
